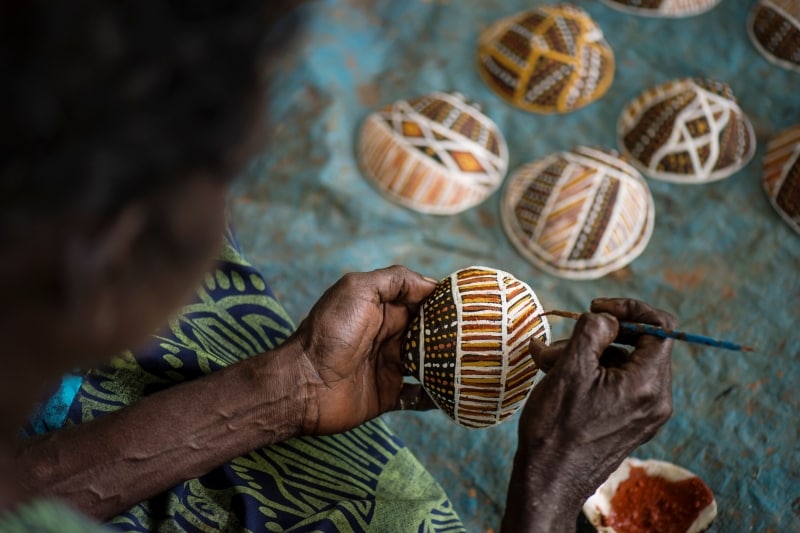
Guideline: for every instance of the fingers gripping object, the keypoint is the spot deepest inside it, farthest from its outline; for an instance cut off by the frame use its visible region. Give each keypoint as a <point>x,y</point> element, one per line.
<point>469,345</point>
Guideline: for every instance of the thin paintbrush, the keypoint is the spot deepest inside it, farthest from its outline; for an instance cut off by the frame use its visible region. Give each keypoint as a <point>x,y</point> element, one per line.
<point>648,329</point>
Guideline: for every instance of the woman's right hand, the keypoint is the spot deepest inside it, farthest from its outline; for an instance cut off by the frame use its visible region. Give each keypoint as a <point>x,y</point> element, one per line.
<point>595,405</point>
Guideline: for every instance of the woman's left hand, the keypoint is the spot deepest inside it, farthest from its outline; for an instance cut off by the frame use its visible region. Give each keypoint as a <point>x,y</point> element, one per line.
<point>352,344</point>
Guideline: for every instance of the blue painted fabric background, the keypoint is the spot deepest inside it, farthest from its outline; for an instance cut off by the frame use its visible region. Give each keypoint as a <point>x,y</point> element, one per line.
<point>720,258</point>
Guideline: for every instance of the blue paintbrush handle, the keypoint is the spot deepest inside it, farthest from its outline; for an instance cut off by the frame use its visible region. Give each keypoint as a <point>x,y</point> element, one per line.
<point>638,328</point>
<point>648,329</point>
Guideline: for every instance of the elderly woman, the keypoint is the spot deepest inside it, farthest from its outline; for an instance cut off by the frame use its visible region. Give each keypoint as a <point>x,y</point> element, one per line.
<point>122,124</point>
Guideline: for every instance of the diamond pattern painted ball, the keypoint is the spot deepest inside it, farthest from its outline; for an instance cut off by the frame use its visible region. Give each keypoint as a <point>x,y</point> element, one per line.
<point>551,59</point>
<point>686,131</point>
<point>437,154</point>
<point>469,345</point>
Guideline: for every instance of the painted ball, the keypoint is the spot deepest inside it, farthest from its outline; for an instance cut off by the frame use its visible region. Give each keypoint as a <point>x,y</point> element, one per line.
<point>663,8</point>
<point>551,59</point>
<point>578,214</point>
<point>437,154</point>
<point>774,29</point>
<point>781,175</point>
<point>469,345</point>
<point>686,131</point>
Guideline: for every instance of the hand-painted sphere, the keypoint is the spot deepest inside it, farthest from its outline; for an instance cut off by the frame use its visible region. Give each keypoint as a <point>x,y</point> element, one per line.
<point>437,154</point>
<point>469,345</point>
<point>782,175</point>
<point>774,28</point>
<point>663,8</point>
<point>578,214</point>
<point>551,59</point>
<point>686,131</point>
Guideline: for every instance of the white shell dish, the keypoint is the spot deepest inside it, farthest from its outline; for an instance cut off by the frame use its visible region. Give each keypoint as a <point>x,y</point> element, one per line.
<point>598,508</point>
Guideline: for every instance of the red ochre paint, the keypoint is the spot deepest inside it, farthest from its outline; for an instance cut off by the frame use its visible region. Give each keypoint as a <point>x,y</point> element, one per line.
<point>644,503</point>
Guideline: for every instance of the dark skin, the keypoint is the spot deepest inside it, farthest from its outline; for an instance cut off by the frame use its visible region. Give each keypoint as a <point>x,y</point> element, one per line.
<point>101,285</point>
<point>364,314</point>
<point>340,369</point>
<point>595,405</point>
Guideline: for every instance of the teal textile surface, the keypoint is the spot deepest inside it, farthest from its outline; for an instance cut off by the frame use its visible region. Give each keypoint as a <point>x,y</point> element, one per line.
<point>720,258</point>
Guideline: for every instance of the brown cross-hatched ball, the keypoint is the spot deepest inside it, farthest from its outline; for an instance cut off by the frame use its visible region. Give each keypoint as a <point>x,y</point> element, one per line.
<point>469,345</point>
<point>781,176</point>
<point>774,29</point>
<point>686,131</point>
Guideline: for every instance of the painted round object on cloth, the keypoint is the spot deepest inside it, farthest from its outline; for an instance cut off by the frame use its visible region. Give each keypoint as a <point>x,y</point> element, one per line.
<point>782,175</point>
<point>552,59</point>
<point>774,28</point>
<point>578,214</point>
<point>437,154</point>
<point>686,131</point>
<point>663,8</point>
<point>469,345</point>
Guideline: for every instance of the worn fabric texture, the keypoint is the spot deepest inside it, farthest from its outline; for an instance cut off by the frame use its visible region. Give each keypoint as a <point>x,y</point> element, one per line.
<point>720,258</point>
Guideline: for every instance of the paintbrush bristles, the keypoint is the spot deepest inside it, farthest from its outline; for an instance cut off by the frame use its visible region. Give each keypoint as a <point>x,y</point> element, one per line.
<point>564,314</point>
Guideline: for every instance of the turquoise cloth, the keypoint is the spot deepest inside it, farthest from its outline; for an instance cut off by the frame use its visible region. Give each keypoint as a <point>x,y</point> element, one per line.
<point>52,413</point>
<point>720,258</point>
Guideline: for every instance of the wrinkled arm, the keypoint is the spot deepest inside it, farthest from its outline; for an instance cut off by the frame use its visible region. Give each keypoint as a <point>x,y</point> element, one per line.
<point>105,466</point>
<point>339,369</point>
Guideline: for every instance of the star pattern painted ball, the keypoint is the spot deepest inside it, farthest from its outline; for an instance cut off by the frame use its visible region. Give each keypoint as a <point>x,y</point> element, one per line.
<point>469,345</point>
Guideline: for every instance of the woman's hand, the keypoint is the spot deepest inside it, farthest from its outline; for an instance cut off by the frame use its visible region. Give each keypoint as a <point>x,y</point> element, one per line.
<point>352,346</point>
<point>595,405</point>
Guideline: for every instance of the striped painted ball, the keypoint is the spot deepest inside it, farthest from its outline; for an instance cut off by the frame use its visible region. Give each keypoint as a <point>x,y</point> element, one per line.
<point>551,59</point>
<point>578,214</point>
<point>686,131</point>
<point>781,176</point>
<point>437,154</point>
<point>469,345</point>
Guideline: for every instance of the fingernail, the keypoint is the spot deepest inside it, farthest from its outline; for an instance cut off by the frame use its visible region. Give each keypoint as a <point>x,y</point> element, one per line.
<point>431,280</point>
<point>536,345</point>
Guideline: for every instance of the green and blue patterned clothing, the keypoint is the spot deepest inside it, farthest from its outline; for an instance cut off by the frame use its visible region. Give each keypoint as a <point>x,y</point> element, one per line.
<point>361,480</point>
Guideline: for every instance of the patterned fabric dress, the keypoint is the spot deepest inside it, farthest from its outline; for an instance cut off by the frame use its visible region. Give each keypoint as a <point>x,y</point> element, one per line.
<point>361,480</point>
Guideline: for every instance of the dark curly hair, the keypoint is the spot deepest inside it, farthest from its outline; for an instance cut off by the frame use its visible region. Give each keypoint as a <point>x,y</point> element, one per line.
<point>104,101</point>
